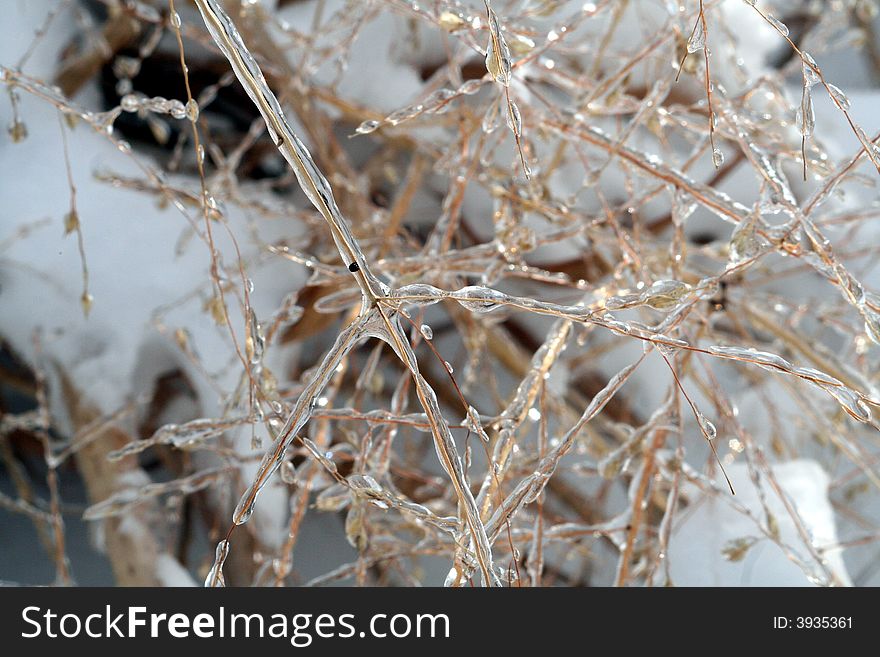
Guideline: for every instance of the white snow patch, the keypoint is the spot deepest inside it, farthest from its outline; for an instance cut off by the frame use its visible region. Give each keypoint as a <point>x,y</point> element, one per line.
<point>695,550</point>
<point>171,573</point>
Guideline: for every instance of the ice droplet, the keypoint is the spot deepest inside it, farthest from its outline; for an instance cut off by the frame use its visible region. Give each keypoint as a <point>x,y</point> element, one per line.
<point>474,424</point>
<point>805,118</point>
<point>130,103</point>
<point>364,484</point>
<point>192,110</point>
<point>779,25</point>
<point>245,507</point>
<point>717,158</point>
<point>514,119</point>
<point>367,127</point>
<point>424,295</point>
<point>437,102</point>
<point>497,53</point>
<point>215,575</point>
<point>404,114</point>
<point>490,121</point>
<point>427,332</point>
<point>521,44</point>
<point>811,77</point>
<point>707,427</point>
<point>665,294</point>
<point>288,473</point>
<point>255,343</point>
<point>176,109</point>
<point>697,40</point>
<point>668,346</point>
<point>470,87</point>
<point>838,95</point>
<point>745,243</point>
<point>479,299</point>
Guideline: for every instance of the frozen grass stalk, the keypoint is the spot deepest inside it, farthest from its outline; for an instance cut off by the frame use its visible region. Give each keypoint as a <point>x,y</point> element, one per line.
<point>318,190</point>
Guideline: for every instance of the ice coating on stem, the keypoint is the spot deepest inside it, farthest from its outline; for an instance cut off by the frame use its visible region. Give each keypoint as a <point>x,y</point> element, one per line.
<point>310,178</point>
<point>302,410</point>
<point>498,60</point>
<point>215,575</point>
<point>371,321</point>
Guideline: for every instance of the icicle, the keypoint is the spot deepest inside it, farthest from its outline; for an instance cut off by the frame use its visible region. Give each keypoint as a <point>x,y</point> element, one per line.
<point>805,118</point>
<point>215,575</point>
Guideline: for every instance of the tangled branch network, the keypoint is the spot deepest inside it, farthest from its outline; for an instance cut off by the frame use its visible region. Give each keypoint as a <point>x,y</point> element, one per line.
<point>568,294</point>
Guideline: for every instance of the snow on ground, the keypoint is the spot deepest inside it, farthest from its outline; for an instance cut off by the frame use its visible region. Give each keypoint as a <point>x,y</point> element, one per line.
<point>708,545</point>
